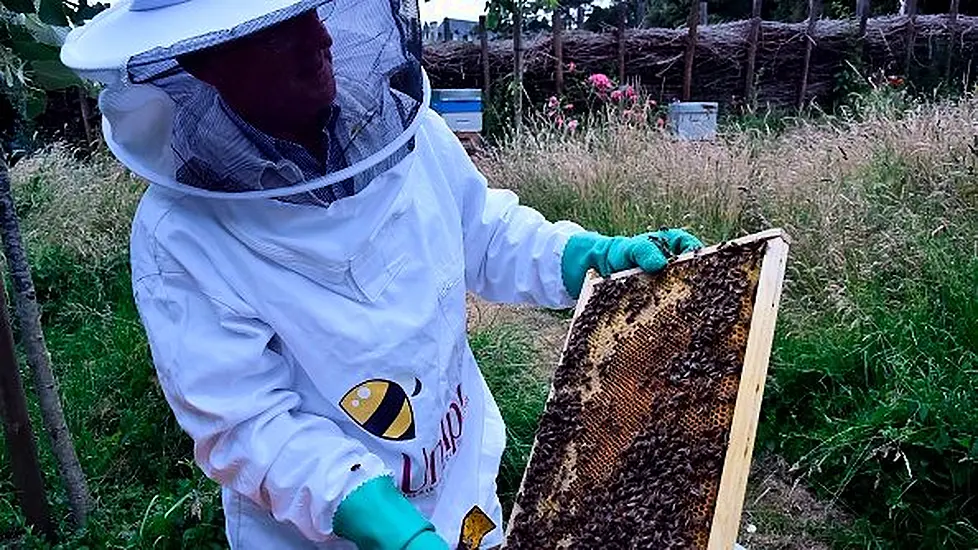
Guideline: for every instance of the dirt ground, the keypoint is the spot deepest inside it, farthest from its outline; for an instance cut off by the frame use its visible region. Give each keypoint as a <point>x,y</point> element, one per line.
<point>780,512</point>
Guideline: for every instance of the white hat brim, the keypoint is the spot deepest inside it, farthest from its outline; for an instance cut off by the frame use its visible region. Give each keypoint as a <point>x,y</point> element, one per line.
<point>117,34</point>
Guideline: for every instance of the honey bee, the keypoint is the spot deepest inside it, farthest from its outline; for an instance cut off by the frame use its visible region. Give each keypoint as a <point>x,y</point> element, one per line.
<point>382,408</point>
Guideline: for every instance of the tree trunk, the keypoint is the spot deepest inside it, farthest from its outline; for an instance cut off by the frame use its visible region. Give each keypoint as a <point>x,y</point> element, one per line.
<point>862,13</point>
<point>694,20</point>
<point>814,13</point>
<point>952,41</point>
<point>86,116</point>
<point>752,41</point>
<point>622,18</point>
<point>558,23</point>
<point>518,64</point>
<point>27,476</point>
<point>910,9</point>
<point>486,74</point>
<point>704,14</point>
<point>46,386</point>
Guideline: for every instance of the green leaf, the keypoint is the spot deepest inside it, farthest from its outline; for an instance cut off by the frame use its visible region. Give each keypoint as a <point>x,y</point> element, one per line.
<point>36,102</point>
<point>53,75</point>
<point>35,51</point>
<point>29,28</point>
<point>52,12</point>
<point>44,33</point>
<point>19,6</point>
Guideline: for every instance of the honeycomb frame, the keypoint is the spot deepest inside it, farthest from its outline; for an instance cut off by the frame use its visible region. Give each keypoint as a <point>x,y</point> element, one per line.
<point>647,435</point>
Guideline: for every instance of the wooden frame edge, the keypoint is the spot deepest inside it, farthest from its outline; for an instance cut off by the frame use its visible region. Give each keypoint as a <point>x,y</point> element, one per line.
<point>593,278</point>
<point>769,235</point>
<point>743,428</point>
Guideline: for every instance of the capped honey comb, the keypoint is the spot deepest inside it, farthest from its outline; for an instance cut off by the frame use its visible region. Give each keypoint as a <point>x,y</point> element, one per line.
<point>646,438</point>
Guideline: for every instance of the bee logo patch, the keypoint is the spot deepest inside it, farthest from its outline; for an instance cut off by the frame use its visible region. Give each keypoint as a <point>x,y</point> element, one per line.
<point>382,408</point>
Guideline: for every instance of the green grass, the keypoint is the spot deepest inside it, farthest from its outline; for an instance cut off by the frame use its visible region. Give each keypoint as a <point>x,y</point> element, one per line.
<point>506,357</point>
<point>872,392</point>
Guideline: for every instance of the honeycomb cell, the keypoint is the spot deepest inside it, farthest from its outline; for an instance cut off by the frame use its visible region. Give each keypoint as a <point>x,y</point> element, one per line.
<point>631,445</point>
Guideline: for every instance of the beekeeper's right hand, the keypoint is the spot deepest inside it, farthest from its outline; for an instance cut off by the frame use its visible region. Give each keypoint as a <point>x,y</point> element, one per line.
<point>649,251</point>
<point>377,516</point>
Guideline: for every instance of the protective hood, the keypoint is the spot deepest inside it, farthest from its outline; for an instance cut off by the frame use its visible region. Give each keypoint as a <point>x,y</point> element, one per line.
<point>179,131</point>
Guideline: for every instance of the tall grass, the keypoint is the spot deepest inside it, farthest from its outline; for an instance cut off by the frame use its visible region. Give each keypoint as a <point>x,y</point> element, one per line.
<point>75,218</point>
<point>505,354</point>
<point>872,392</point>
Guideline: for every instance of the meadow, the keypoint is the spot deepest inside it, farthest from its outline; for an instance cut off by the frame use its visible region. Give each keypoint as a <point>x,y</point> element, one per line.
<point>871,407</point>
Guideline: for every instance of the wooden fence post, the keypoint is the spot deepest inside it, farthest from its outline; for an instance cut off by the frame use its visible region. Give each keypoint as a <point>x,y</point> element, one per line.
<point>909,8</point>
<point>621,41</point>
<point>641,9</point>
<point>862,13</point>
<point>752,43</point>
<point>518,64</point>
<point>694,20</point>
<point>486,78</point>
<point>953,39</point>
<point>21,447</point>
<point>704,14</point>
<point>814,13</point>
<point>558,24</point>
<point>952,24</point>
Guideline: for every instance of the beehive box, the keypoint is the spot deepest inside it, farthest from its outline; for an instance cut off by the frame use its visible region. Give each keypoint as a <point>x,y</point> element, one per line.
<point>646,439</point>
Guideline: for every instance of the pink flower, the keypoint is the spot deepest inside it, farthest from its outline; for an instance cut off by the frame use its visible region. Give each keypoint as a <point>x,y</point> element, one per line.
<point>552,103</point>
<point>571,67</point>
<point>630,93</point>
<point>616,95</point>
<point>569,107</point>
<point>650,104</point>
<point>600,82</point>
<point>560,122</point>
<point>572,125</point>
<point>661,123</point>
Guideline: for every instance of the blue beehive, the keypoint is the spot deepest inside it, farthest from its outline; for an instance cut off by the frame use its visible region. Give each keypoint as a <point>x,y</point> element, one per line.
<point>461,108</point>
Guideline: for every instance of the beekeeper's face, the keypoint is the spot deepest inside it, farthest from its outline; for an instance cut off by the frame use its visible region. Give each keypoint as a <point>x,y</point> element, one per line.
<point>277,79</point>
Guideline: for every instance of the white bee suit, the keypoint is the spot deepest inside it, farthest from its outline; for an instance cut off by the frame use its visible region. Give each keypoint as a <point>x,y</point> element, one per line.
<point>308,326</point>
<point>263,316</point>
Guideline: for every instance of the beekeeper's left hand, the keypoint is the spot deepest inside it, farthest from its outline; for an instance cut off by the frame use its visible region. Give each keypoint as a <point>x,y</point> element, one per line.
<point>376,516</point>
<point>649,251</point>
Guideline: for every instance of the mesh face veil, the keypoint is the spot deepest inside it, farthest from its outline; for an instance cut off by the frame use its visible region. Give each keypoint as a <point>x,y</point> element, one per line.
<point>185,131</point>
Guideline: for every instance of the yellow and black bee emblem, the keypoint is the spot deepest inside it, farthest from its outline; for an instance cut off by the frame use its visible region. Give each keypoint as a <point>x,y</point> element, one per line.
<point>382,408</point>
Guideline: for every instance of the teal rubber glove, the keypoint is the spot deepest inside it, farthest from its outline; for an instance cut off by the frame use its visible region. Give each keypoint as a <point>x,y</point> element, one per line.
<point>377,516</point>
<point>649,251</point>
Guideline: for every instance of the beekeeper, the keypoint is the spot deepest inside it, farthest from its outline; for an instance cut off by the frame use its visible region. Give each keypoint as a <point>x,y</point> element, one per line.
<point>301,262</point>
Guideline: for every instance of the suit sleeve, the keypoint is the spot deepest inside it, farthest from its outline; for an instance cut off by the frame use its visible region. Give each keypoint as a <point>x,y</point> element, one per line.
<point>229,390</point>
<point>512,253</point>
